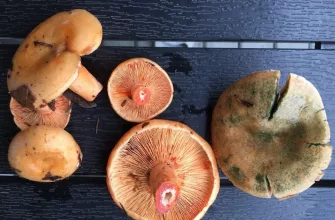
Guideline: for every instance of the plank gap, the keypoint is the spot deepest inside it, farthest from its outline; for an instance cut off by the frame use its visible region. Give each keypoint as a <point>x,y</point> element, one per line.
<point>231,44</point>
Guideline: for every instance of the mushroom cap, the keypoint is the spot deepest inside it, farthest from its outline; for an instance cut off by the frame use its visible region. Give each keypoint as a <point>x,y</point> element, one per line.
<point>268,143</point>
<point>58,117</point>
<point>47,61</point>
<point>44,154</point>
<point>135,72</point>
<point>171,143</point>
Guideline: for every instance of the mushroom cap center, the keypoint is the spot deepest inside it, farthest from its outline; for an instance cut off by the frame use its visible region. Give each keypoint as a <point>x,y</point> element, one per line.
<point>140,95</point>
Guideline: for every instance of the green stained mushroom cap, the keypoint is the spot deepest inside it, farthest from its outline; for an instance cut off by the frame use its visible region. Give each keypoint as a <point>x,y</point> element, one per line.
<point>268,142</point>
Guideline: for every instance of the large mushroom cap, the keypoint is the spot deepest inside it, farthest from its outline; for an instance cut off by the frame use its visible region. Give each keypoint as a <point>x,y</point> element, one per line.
<point>47,61</point>
<point>268,143</point>
<point>44,154</point>
<point>163,169</point>
<point>139,89</point>
<point>56,114</point>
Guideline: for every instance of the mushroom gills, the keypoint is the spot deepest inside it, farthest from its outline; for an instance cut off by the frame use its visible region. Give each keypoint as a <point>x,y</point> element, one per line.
<point>139,90</point>
<point>56,113</point>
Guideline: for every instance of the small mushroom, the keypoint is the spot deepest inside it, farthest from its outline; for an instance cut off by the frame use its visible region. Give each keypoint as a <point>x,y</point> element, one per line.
<point>48,61</point>
<point>163,169</point>
<point>44,154</point>
<point>270,143</point>
<point>139,89</point>
<point>57,113</point>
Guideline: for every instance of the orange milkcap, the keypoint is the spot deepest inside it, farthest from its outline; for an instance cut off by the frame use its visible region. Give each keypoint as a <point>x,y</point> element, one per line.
<point>139,90</point>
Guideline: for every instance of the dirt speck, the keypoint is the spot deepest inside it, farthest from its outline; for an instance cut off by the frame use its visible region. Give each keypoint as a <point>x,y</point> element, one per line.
<point>23,96</point>
<point>123,103</point>
<point>145,124</point>
<point>40,43</point>
<point>27,124</point>
<point>150,63</point>
<point>50,177</point>
<point>243,102</point>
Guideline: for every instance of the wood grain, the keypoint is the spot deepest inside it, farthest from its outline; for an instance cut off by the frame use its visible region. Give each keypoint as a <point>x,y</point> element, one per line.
<point>90,199</point>
<point>199,77</point>
<point>185,20</point>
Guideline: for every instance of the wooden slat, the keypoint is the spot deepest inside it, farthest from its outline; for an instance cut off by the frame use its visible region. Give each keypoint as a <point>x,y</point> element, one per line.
<point>75,198</point>
<point>185,20</point>
<point>199,77</point>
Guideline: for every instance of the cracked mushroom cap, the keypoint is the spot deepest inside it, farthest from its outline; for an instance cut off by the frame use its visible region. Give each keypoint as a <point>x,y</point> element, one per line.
<point>139,89</point>
<point>163,169</point>
<point>47,61</point>
<point>268,143</point>
<point>56,114</point>
<point>44,154</point>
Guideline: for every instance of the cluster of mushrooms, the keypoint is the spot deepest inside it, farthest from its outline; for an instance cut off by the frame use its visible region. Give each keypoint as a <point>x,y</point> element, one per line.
<point>267,142</point>
<point>46,75</point>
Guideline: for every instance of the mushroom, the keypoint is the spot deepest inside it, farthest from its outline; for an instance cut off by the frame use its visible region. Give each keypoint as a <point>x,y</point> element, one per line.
<point>268,143</point>
<point>44,154</point>
<point>48,61</point>
<point>163,169</point>
<point>139,90</point>
<point>56,114</point>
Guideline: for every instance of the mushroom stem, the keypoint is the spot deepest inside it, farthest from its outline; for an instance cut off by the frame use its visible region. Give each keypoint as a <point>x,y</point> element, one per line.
<point>164,182</point>
<point>140,94</point>
<point>86,85</point>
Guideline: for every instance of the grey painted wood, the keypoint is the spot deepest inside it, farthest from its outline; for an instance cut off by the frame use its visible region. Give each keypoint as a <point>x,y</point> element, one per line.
<point>185,20</point>
<point>199,77</point>
<point>89,199</point>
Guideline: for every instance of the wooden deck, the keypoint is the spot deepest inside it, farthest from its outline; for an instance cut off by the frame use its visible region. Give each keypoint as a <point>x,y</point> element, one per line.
<point>199,76</point>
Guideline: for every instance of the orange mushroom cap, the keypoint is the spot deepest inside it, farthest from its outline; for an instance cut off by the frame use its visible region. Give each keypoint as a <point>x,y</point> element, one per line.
<point>269,143</point>
<point>56,115</point>
<point>44,154</point>
<point>160,169</point>
<point>139,89</point>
